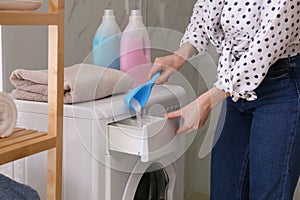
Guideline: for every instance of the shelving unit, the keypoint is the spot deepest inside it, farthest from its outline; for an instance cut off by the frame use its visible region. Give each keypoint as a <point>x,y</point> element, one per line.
<point>23,142</point>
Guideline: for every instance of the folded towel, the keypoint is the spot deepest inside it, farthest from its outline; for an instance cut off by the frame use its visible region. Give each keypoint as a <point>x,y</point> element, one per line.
<point>12,190</point>
<point>82,82</point>
<point>20,4</point>
<point>8,115</point>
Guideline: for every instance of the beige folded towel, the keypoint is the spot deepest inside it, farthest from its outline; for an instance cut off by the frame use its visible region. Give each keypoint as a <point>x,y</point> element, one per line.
<point>82,82</point>
<point>20,4</point>
<point>8,115</point>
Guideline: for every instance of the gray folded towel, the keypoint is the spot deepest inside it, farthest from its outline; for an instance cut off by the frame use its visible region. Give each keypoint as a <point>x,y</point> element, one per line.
<point>82,82</point>
<point>12,190</point>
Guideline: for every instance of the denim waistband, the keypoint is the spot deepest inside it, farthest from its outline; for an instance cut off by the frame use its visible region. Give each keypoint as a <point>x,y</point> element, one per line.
<point>286,61</point>
<point>295,58</point>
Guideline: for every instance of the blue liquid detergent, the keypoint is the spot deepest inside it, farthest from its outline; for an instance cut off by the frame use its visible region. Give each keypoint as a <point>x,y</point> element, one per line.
<point>106,51</point>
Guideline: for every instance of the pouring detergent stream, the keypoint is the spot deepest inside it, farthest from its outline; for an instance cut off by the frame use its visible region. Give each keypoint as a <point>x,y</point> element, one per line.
<point>137,98</point>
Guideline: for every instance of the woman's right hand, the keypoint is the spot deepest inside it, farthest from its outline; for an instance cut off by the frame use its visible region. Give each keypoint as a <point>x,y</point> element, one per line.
<point>167,65</point>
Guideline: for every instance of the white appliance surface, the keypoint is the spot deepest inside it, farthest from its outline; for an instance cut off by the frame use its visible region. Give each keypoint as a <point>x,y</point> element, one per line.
<point>97,164</point>
<point>109,107</point>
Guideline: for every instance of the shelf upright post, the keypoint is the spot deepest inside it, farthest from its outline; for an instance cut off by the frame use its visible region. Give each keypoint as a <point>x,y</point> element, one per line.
<point>55,99</point>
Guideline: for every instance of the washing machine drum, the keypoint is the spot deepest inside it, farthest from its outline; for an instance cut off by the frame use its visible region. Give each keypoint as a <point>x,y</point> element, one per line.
<point>153,186</point>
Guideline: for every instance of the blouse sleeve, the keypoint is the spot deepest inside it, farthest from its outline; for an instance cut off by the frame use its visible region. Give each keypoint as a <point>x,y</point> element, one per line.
<point>195,33</point>
<point>279,28</point>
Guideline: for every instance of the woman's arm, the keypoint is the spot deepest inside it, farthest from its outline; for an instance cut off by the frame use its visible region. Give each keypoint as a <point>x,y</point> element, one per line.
<point>196,113</point>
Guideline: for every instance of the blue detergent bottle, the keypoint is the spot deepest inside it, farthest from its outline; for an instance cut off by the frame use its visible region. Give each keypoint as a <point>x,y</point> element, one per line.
<point>106,44</point>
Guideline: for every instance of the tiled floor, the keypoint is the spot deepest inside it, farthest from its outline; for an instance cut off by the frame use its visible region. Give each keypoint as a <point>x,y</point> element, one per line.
<point>198,196</point>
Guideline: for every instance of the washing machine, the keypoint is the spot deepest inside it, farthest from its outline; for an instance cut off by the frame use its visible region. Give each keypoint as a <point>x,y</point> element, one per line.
<point>108,154</point>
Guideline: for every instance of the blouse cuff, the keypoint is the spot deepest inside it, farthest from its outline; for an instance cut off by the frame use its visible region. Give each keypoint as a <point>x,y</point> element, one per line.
<point>225,84</point>
<point>200,50</point>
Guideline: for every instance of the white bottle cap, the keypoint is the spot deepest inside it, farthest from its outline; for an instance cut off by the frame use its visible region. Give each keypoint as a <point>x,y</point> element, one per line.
<point>135,15</point>
<point>108,14</point>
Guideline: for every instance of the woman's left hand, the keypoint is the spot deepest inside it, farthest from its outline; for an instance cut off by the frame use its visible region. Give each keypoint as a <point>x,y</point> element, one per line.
<point>196,113</point>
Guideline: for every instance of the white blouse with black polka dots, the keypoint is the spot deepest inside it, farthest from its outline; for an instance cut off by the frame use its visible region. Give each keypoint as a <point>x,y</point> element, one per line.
<point>249,35</point>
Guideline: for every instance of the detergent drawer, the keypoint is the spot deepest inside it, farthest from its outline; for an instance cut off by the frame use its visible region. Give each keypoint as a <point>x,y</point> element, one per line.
<point>154,137</point>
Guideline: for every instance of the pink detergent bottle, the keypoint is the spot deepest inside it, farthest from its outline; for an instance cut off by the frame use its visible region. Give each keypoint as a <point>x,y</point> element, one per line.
<point>135,53</point>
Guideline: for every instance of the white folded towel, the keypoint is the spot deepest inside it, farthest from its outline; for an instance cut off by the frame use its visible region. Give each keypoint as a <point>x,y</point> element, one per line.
<point>8,115</point>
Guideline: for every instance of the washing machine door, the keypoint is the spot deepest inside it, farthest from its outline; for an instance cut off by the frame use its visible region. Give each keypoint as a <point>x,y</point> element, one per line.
<point>157,182</point>
<point>153,139</point>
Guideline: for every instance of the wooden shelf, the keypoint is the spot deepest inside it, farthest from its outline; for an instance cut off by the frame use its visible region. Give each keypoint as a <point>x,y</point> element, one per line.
<point>23,143</point>
<point>27,18</point>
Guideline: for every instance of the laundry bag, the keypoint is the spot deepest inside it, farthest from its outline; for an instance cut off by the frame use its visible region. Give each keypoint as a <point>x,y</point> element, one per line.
<point>12,190</point>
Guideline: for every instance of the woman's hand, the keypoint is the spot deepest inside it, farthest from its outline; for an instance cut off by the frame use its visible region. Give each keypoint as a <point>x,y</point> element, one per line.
<point>196,113</point>
<point>167,65</point>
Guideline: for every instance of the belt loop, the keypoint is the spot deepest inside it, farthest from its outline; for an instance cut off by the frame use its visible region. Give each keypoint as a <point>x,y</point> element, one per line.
<point>292,58</point>
<point>289,61</point>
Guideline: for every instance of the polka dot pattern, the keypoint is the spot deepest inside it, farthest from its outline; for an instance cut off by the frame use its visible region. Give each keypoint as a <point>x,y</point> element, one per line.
<point>249,35</point>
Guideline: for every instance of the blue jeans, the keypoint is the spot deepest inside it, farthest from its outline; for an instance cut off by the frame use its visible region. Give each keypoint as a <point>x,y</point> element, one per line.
<point>257,155</point>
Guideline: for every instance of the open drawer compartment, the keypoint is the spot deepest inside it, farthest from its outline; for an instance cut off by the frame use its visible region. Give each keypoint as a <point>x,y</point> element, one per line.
<point>154,138</point>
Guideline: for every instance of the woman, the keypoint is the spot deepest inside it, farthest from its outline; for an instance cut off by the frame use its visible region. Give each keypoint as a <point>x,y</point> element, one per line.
<point>258,153</point>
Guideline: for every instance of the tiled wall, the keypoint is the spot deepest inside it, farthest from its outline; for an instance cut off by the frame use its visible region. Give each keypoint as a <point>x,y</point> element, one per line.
<point>81,21</point>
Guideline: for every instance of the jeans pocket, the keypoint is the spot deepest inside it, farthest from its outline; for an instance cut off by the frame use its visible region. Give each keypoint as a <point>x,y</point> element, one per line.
<point>279,73</point>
